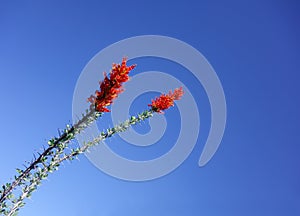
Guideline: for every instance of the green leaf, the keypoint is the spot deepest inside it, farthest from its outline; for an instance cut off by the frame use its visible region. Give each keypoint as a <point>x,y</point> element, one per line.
<point>19,171</point>
<point>10,196</point>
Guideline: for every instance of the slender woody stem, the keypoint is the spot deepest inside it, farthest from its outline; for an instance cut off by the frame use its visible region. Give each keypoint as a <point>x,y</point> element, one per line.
<point>57,160</point>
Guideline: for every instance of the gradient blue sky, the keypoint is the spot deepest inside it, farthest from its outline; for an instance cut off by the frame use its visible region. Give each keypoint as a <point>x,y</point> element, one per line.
<point>252,45</point>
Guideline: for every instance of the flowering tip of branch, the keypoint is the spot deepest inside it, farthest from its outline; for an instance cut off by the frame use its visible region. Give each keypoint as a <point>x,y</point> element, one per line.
<point>111,86</point>
<point>165,101</point>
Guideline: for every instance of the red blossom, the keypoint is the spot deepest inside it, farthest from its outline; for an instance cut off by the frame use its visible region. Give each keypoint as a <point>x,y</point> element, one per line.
<point>165,101</point>
<point>111,87</point>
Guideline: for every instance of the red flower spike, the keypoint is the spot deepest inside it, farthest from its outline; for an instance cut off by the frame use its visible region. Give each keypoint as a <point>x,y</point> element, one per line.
<point>110,87</point>
<point>166,101</point>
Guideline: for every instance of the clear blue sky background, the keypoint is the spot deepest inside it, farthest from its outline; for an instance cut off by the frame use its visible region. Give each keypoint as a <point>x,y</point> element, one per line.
<point>252,45</point>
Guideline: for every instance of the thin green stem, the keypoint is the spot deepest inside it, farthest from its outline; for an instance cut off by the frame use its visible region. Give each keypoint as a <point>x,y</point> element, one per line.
<point>59,157</point>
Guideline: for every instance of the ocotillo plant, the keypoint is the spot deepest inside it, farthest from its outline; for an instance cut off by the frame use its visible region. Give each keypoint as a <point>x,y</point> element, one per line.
<point>59,149</point>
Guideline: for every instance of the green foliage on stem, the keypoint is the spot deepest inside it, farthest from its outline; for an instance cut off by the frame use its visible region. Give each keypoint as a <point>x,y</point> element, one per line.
<point>51,158</point>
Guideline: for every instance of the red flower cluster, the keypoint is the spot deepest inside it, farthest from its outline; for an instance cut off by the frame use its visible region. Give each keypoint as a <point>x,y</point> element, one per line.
<point>111,87</point>
<point>165,101</point>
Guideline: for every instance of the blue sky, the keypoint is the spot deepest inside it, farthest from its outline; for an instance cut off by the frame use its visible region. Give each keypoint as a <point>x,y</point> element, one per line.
<point>252,45</point>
